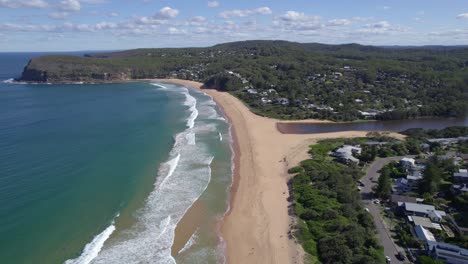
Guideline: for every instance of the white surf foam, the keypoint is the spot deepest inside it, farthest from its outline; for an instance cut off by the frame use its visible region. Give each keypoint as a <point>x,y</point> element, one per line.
<point>92,249</point>
<point>11,80</point>
<point>190,242</point>
<point>191,102</point>
<point>159,85</point>
<point>190,138</point>
<point>172,165</point>
<point>220,136</point>
<point>180,182</point>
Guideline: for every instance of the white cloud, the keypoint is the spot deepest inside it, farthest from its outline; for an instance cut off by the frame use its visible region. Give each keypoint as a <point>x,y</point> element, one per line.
<point>69,5</point>
<point>386,7</point>
<point>213,3</point>
<point>113,14</point>
<point>58,15</point>
<point>166,13</point>
<point>23,3</point>
<point>463,16</point>
<point>381,27</point>
<point>26,28</point>
<point>297,21</point>
<point>176,31</point>
<point>246,12</point>
<point>338,22</point>
<point>196,21</point>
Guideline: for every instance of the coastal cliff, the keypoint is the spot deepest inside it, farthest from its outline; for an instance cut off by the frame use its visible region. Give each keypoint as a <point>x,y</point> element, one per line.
<point>64,69</point>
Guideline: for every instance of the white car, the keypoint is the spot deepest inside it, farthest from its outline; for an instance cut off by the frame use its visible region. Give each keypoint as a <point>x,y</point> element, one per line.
<point>367,209</point>
<point>376,201</point>
<point>389,260</point>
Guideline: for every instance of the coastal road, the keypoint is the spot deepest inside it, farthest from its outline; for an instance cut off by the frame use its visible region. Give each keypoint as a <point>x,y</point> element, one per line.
<point>384,235</point>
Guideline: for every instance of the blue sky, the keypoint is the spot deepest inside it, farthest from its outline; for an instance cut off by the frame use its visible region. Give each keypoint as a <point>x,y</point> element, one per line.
<point>66,25</point>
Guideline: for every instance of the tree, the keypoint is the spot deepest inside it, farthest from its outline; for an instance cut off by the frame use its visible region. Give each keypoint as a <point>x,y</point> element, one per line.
<point>384,185</point>
<point>431,179</point>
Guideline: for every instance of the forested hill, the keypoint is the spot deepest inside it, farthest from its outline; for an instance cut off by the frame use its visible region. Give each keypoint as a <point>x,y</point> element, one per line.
<point>293,80</point>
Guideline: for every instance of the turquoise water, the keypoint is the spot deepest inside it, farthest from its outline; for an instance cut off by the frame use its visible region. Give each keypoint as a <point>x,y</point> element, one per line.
<point>104,172</point>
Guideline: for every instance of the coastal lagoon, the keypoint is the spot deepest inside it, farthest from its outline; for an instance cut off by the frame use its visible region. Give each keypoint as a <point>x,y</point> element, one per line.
<point>103,173</point>
<point>391,125</point>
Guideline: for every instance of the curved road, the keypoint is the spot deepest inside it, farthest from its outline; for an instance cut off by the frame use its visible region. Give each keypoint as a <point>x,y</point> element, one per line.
<point>390,248</point>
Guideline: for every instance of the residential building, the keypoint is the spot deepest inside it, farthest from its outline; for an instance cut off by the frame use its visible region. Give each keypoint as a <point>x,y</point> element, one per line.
<point>424,234</point>
<point>447,253</point>
<point>407,162</point>
<point>346,152</point>
<point>421,209</point>
<point>461,176</point>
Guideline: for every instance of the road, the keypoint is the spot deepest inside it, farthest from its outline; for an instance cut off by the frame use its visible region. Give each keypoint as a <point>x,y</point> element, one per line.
<point>390,248</point>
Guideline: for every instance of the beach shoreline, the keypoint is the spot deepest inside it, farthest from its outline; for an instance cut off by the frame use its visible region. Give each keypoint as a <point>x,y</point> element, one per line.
<point>257,226</point>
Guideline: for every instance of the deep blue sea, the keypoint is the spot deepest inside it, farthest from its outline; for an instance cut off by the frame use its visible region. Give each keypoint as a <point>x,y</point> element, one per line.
<point>103,173</point>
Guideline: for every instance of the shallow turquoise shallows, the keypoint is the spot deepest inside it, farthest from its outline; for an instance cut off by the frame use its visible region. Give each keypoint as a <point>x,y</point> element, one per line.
<point>89,170</point>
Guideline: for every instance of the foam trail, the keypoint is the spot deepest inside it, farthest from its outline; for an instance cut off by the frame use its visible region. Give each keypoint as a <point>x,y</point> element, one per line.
<point>190,242</point>
<point>220,136</point>
<point>11,80</point>
<point>159,85</point>
<point>172,166</point>
<point>92,249</point>
<point>191,102</point>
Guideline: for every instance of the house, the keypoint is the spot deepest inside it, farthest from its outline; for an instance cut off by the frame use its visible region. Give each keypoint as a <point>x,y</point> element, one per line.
<point>407,162</point>
<point>346,152</point>
<point>421,209</point>
<point>461,176</point>
<point>423,221</point>
<point>435,216</point>
<point>459,188</point>
<point>282,101</point>
<point>447,253</point>
<point>424,234</point>
<point>252,91</point>
<point>401,185</point>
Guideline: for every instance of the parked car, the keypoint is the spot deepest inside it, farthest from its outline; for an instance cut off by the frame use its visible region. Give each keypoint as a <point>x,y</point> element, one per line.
<point>376,201</point>
<point>400,255</point>
<point>389,260</point>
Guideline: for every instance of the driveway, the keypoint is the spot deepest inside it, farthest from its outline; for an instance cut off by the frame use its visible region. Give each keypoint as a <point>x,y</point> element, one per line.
<point>384,235</point>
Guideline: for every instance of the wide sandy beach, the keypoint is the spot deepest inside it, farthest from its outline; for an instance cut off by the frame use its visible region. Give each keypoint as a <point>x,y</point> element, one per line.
<point>257,225</point>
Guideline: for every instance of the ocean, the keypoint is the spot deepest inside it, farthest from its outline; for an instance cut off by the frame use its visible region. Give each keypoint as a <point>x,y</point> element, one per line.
<point>103,173</point>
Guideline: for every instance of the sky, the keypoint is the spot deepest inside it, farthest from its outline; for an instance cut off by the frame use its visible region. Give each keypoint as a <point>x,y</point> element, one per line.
<point>73,25</point>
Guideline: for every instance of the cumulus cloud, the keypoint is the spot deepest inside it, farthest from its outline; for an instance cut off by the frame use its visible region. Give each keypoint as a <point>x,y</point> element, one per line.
<point>70,5</point>
<point>338,22</point>
<point>293,20</point>
<point>166,13</point>
<point>463,16</point>
<point>176,31</point>
<point>213,3</point>
<point>23,3</point>
<point>196,21</point>
<point>246,12</point>
<point>381,27</point>
<point>58,15</point>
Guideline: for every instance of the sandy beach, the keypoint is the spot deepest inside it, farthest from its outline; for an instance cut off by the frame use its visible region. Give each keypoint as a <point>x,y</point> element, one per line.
<point>257,225</point>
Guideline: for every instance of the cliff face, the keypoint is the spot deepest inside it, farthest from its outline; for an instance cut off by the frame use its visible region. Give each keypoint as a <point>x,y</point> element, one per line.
<point>65,69</point>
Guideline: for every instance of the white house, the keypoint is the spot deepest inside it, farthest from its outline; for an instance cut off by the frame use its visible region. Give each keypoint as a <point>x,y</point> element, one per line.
<point>407,162</point>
